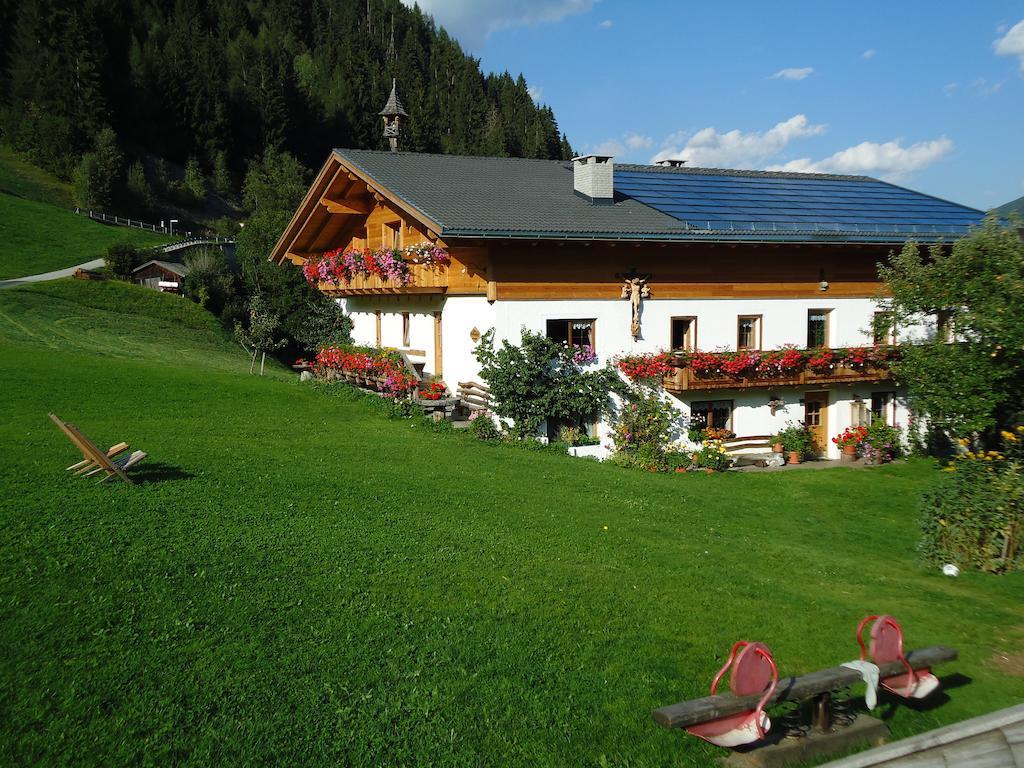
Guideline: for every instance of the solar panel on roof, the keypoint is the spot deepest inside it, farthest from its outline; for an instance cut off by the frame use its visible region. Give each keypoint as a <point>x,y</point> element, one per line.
<point>736,202</point>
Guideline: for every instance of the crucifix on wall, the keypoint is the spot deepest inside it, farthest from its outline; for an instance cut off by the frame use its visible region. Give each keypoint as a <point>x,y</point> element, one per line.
<point>635,288</point>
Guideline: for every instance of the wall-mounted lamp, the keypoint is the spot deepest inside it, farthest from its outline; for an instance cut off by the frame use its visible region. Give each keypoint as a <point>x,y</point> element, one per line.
<point>823,285</point>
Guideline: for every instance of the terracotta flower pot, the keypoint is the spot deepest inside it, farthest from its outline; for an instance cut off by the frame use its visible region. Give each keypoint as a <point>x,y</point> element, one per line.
<point>849,452</point>
<point>794,457</point>
<point>777,448</point>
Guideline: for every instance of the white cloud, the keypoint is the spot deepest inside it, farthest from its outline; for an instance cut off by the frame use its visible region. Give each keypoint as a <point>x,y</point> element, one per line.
<point>793,73</point>
<point>606,24</point>
<point>889,160</point>
<point>736,149</point>
<point>612,147</point>
<point>471,22</point>
<point>869,54</point>
<point>636,141</point>
<point>950,88</point>
<point>536,92</point>
<point>1012,43</point>
<point>985,88</point>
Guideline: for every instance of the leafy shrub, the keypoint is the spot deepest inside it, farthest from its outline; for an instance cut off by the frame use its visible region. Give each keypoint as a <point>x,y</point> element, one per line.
<point>324,325</point>
<point>482,426</point>
<point>121,259</point>
<point>712,456</point>
<point>973,515</point>
<point>209,282</point>
<point>882,443</point>
<point>796,438</point>
<point>539,379</point>
<point>645,420</point>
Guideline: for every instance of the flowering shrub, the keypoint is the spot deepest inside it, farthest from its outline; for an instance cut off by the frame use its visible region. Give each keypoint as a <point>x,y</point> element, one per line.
<point>583,354</point>
<point>973,515</point>
<point>711,456</point>
<point>644,421</point>
<point>339,267</point>
<point>482,426</point>
<point>850,436</point>
<point>881,444</point>
<point>435,390</point>
<point>371,363</point>
<point>651,367</point>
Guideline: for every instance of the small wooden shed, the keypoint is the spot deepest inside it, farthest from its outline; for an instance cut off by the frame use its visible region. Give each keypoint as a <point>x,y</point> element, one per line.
<point>159,275</point>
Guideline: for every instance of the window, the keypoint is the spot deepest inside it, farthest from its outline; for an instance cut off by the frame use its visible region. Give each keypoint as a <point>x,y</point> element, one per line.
<point>883,405</point>
<point>748,332</point>
<point>882,328</point>
<point>391,235</point>
<point>944,325</point>
<point>817,328</point>
<point>713,413</point>
<point>578,333</point>
<point>405,329</point>
<point>684,333</point>
<point>359,239</point>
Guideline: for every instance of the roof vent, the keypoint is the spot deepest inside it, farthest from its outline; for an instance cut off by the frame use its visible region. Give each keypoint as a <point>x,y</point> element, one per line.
<point>671,162</point>
<point>592,177</point>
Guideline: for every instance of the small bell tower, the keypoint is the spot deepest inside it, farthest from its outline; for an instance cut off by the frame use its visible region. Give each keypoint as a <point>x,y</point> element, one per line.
<point>392,114</point>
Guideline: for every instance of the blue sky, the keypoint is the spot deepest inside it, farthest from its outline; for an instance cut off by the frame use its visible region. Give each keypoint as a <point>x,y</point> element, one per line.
<point>926,94</point>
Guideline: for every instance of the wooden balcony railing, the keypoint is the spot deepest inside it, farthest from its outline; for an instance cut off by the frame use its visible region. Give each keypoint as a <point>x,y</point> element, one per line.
<point>425,278</point>
<point>684,379</point>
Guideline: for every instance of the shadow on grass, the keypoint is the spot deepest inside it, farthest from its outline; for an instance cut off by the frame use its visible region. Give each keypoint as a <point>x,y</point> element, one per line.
<point>157,472</point>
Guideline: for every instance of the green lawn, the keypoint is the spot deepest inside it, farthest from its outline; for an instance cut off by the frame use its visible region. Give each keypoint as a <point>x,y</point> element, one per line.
<point>39,232</point>
<point>300,581</point>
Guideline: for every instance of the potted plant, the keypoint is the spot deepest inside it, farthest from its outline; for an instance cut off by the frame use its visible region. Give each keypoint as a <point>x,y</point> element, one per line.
<point>796,442</point>
<point>848,441</point>
<point>776,441</point>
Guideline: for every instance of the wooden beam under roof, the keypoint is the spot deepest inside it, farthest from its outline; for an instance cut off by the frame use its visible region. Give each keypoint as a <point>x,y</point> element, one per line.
<point>349,205</point>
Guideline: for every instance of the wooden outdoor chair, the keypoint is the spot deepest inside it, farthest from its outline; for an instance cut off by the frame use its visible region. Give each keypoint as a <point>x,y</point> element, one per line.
<point>114,463</point>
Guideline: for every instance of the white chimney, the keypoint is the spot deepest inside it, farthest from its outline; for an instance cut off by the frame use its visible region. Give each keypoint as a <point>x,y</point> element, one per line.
<point>592,177</point>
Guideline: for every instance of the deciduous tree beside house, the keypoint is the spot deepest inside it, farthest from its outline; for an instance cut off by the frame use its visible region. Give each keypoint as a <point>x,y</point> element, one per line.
<point>969,379</point>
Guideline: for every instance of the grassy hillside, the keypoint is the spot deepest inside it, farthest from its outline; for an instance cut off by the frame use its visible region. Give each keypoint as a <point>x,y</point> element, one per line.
<point>1014,206</point>
<point>298,580</point>
<point>39,232</point>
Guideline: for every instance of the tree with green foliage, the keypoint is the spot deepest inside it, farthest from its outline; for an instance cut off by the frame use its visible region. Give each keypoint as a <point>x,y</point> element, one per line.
<point>537,380</point>
<point>221,179</point>
<point>195,184</point>
<point>99,172</point>
<point>139,195</point>
<point>208,280</point>
<point>975,385</point>
<point>121,259</point>
<point>324,325</point>
<point>262,334</point>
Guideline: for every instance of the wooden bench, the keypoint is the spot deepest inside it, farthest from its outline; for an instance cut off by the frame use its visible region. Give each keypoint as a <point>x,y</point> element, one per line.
<point>755,449</point>
<point>816,689</point>
<point>474,396</point>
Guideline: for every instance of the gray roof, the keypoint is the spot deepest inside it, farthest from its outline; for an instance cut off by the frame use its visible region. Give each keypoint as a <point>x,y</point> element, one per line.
<point>480,196</point>
<point>175,268</point>
<point>522,198</point>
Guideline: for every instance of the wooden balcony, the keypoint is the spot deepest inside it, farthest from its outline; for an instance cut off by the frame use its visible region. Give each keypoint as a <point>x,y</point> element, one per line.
<point>425,279</point>
<point>685,380</point>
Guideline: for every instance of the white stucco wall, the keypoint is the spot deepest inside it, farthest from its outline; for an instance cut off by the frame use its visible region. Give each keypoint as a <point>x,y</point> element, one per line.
<point>784,321</point>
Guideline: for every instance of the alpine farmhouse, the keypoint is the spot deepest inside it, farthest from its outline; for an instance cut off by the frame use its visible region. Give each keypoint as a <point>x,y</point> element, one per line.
<point>628,259</point>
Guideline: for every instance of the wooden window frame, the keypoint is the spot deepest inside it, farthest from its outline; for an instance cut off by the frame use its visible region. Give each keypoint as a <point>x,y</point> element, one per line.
<point>731,426</point>
<point>391,234</point>
<point>569,322</point>
<point>691,333</point>
<point>405,329</point>
<point>758,331</point>
<point>888,409</point>
<point>828,326</point>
